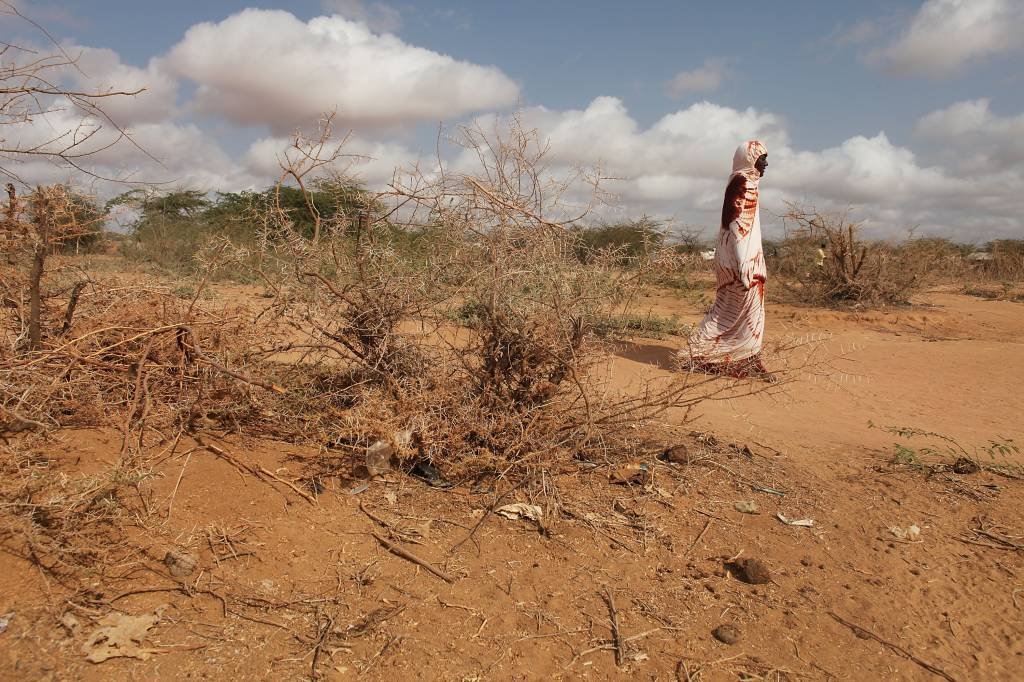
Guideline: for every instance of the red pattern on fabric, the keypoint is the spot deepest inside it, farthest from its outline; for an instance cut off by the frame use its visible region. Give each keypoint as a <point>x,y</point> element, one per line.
<point>733,330</point>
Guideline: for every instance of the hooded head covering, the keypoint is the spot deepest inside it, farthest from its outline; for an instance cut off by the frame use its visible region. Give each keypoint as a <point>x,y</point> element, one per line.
<point>746,156</point>
<point>741,192</point>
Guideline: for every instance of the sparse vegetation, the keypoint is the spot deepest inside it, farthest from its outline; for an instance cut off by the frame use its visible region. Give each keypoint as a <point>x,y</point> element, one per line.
<point>942,452</point>
<point>232,466</point>
<point>172,229</point>
<point>856,273</point>
<point>649,325</point>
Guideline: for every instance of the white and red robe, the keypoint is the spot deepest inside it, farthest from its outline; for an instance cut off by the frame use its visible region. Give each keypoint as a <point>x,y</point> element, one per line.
<point>732,332</point>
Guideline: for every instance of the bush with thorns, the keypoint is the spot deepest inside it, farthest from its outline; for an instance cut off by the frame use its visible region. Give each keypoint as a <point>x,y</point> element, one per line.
<point>477,348</point>
<point>853,272</point>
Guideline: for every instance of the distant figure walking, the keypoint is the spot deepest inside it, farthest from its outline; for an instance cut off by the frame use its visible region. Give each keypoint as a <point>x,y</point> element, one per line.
<point>728,340</point>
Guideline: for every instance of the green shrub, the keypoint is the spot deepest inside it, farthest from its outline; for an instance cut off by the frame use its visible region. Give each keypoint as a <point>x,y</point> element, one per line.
<point>628,241</point>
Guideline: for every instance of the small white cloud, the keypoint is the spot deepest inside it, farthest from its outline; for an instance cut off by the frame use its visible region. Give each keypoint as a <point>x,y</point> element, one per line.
<point>378,16</point>
<point>268,67</point>
<point>955,121</point>
<point>709,76</point>
<point>158,152</point>
<point>101,70</point>
<point>946,35</point>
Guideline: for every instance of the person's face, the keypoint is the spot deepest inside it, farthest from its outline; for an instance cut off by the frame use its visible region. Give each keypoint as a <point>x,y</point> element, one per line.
<point>761,163</point>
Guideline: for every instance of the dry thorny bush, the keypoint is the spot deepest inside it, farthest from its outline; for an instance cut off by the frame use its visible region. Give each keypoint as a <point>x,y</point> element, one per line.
<point>80,352</point>
<point>474,348</point>
<point>854,272</point>
<point>480,347</point>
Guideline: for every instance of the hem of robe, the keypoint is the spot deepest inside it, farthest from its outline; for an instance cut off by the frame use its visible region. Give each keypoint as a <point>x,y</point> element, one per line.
<point>737,368</point>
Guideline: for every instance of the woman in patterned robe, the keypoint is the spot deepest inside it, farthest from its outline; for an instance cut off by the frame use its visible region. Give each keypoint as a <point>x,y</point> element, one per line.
<point>728,340</point>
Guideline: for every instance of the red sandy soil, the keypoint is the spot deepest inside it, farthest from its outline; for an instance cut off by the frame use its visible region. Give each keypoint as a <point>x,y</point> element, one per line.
<point>284,586</point>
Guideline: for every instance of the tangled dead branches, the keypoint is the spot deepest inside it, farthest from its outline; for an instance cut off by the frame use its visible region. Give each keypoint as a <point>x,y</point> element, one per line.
<point>848,271</point>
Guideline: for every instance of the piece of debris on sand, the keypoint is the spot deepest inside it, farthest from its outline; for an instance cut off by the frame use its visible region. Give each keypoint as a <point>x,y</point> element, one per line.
<point>520,510</point>
<point>747,507</point>
<point>119,635</point>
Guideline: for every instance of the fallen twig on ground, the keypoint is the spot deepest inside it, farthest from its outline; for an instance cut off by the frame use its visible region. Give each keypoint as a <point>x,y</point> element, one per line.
<point>399,551</point>
<point>620,652</point>
<point>697,539</point>
<point>894,647</point>
<point>489,511</point>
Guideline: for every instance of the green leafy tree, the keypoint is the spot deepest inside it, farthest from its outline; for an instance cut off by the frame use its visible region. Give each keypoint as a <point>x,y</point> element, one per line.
<point>630,240</point>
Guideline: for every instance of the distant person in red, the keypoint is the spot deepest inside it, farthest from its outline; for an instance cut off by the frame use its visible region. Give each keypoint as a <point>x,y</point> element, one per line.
<point>728,340</point>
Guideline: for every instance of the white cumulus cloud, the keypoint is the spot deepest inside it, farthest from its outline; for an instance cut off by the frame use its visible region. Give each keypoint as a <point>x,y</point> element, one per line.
<point>678,166</point>
<point>946,35</point>
<point>371,162</point>
<point>101,70</point>
<point>161,152</point>
<point>970,136</point>
<point>269,67</point>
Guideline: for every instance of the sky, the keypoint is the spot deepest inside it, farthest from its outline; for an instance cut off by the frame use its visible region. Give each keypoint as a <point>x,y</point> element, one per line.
<point>907,114</point>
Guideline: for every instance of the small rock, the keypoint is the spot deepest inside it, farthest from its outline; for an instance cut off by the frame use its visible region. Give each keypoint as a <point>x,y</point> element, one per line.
<point>726,634</point>
<point>750,571</point>
<point>677,454</point>
<point>637,473</point>
<point>180,563</point>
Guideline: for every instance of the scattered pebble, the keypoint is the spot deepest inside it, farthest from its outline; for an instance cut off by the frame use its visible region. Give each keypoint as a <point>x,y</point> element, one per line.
<point>677,454</point>
<point>180,563</point>
<point>726,634</point>
<point>747,507</point>
<point>71,623</point>
<point>910,533</point>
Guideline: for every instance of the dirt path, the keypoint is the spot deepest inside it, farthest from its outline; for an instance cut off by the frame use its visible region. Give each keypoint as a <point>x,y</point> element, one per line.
<point>956,367</point>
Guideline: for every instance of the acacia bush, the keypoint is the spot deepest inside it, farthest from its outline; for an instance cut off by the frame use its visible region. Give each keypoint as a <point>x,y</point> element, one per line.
<point>626,241</point>
<point>171,228</point>
<point>1007,264</point>
<point>855,272</point>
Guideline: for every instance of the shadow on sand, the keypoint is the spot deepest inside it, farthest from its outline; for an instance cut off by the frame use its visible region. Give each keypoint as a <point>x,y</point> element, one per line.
<point>661,357</point>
